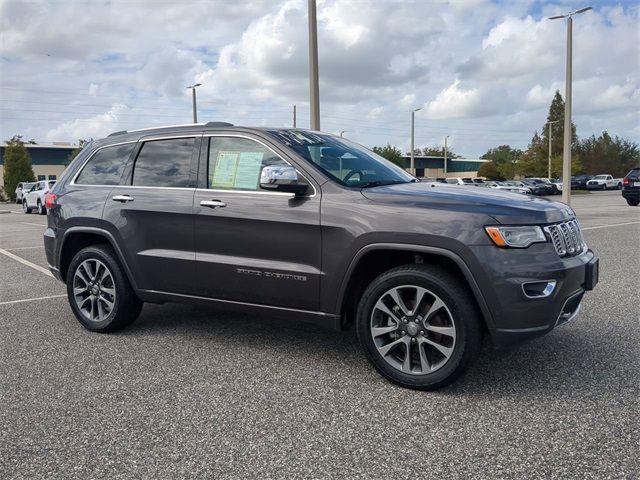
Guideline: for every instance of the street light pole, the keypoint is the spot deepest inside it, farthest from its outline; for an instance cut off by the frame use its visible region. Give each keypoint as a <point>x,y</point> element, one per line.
<point>412,167</point>
<point>566,154</point>
<point>294,117</point>
<point>445,156</point>
<point>314,89</point>
<point>193,96</point>
<point>549,135</point>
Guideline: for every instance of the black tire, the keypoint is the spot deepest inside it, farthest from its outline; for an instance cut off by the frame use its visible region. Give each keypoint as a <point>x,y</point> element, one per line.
<point>632,202</point>
<point>41,209</point>
<point>464,316</point>
<point>25,208</point>
<point>126,305</point>
<point>619,186</point>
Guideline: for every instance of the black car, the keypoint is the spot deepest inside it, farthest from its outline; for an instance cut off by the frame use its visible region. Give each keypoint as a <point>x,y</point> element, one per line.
<point>579,182</point>
<point>312,227</point>
<point>631,187</point>
<point>537,188</point>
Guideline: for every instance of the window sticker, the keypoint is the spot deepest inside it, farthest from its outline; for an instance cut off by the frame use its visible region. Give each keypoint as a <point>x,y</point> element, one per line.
<point>224,173</point>
<point>248,170</point>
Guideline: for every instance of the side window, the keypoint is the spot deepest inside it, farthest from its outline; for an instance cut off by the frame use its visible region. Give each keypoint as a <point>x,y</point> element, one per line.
<point>105,166</point>
<point>42,177</point>
<point>235,163</point>
<point>164,163</point>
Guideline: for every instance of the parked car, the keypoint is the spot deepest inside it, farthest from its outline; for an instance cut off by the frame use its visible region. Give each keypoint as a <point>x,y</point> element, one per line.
<point>579,182</point>
<point>315,228</point>
<point>547,187</point>
<point>631,187</point>
<point>21,189</point>
<point>34,198</point>
<point>604,182</point>
<point>510,187</point>
<point>558,183</point>
<point>537,188</point>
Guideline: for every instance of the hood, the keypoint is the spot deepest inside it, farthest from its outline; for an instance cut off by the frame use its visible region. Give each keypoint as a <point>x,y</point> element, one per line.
<point>507,208</point>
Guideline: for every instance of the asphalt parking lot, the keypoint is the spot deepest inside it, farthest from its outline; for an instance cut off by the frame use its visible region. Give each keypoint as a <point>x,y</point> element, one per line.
<point>198,393</point>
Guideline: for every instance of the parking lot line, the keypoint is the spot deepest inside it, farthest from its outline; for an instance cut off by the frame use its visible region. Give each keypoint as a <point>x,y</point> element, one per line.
<point>36,224</point>
<point>25,248</point>
<point>26,262</point>
<point>612,225</point>
<point>31,299</point>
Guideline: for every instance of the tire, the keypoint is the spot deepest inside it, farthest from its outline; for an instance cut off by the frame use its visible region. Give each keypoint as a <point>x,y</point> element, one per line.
<point>41,209</point>
<point>25,207</point>
<point>619,186</point>
<point>99,292</point>
<point>457,318</point>
<point>632,202</point>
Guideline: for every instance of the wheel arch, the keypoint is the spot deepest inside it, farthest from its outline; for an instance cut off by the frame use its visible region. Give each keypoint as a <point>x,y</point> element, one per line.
<point>374,259</point>
<point>77,238</point>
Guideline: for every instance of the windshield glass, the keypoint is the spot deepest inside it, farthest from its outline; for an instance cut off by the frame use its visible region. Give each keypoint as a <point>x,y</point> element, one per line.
<point>345,162</point>
<point>599,177</point>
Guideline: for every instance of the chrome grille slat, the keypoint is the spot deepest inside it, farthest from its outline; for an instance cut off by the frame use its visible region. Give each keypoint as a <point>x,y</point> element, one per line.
<point>566,238</point>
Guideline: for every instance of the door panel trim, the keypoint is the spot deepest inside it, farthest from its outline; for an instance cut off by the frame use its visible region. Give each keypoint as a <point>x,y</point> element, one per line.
<point>257,263</point>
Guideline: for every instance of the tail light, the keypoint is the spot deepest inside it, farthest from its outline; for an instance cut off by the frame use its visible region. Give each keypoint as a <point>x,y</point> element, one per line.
<point>626,182</point>
<point>50,200</point>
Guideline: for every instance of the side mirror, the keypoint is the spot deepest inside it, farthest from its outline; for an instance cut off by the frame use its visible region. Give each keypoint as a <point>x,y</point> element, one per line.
<point>282,178</point>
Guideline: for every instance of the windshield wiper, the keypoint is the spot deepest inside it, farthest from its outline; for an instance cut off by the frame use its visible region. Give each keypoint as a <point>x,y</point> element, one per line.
<point>380,183</point>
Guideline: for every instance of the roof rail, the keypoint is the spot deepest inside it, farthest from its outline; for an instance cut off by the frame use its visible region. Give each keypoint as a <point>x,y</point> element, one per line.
<point>208,124</point>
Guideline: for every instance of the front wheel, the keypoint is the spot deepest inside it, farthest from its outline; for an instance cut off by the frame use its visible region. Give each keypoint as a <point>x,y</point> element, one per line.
<point>41,209</point>
<point>25,207</point>
<point>419,326</point>
<point>99,292</point>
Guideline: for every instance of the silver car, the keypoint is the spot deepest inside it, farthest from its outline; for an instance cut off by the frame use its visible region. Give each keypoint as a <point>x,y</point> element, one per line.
<point>22,189</point>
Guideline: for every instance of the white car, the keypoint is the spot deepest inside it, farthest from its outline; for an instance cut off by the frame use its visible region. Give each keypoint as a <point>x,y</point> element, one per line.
<point>21,189</point>
<point>604,182</point>
<point>34,198</point>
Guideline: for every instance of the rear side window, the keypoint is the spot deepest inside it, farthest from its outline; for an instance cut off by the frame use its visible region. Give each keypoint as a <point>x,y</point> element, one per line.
<point>164,163</point>
<point>105,166</point>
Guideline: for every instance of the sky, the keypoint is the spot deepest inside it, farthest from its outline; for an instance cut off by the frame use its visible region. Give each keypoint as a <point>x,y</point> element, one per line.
<point>483,72</point>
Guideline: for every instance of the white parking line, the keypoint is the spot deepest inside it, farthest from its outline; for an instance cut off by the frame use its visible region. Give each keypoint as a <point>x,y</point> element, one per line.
<point>31,299</point>
<point>36,224</point>
<point>26,262</point>
<point>25,248</point>
<point>612,225</point>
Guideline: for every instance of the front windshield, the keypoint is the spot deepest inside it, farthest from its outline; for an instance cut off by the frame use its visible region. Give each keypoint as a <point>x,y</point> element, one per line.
<point>599,177</point>
<point>342,160</point>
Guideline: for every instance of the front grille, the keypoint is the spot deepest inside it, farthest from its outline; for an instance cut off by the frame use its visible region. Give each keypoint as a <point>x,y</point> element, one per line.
<point>566,238</point>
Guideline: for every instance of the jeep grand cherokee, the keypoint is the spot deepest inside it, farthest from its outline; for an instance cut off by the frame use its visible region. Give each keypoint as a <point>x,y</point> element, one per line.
<point>315,228</point>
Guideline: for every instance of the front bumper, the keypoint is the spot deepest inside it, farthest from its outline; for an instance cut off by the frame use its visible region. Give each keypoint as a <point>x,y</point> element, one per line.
<point>517,316</point>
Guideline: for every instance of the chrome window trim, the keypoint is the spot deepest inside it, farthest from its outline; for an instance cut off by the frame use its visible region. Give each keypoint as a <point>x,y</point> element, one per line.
<point>250,192</point>
<point>237,135</point>
<point>73,180</point>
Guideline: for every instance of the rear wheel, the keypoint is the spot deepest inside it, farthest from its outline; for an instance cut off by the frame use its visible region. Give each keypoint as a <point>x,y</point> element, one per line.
<point>99,292</point>
<point>419,326</point>
<point>633,202</point>
<point>25,207</point>
<point>41,209</point>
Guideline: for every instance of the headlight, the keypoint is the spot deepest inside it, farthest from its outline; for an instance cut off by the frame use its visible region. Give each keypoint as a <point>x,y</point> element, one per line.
<point>516,237</point>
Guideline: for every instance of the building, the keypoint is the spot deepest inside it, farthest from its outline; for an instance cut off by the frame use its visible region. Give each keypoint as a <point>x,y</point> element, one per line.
<point>48,161</point>
<point>427,166</point>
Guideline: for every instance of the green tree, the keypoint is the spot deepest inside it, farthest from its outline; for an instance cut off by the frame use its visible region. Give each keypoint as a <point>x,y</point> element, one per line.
<point>504,160</point>
<point>17,165</point>
<point>556,114</point>
<point>74,153</point>
<point>435,151</point>
<point>489,170</point>
<point>391,153</point>
<point>606,154</point>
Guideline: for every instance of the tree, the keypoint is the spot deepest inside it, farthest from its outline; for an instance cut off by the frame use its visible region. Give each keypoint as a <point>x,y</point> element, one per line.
<point>556,114</point>
<point>74,153</point>
<point>17,165</point>
<point>604,154</point>
<point>391,153</point>
<point>435,151</point>
<point>504,160</point>
<point>489,170</point>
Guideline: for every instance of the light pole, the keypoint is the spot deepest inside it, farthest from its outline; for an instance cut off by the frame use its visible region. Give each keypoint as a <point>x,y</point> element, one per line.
<point>566,154</point>
<point>413,133</point>
<point>294,117</point>
<point>445,156</point>
<point>193,96</point>
<point>314,89</point>
<point>549,135</point>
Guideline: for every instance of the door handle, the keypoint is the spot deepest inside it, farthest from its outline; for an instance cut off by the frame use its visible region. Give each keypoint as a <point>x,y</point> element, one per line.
<point>122,198</point>
<point>212,203</point>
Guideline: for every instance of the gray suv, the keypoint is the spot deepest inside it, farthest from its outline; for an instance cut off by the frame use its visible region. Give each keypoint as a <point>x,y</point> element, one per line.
<point>312,228</point>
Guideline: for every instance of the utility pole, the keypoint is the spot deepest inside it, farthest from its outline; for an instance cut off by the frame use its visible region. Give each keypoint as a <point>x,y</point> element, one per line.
<point>314,89</point>
<point>445,156</point>
<point>294,116</point>
<point>549,135</point>
<point>193,96</point>
<point>566,154</point>
<point>412,168</point>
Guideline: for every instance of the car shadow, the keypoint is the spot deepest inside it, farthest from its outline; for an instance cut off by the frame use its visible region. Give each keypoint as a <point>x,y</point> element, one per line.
<point>565,362</point>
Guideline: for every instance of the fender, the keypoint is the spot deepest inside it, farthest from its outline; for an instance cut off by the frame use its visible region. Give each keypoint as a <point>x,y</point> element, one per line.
<point>112,241</point>
<point>466,271</point>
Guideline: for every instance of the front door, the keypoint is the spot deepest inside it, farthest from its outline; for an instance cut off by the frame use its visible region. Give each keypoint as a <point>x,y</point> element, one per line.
<point>253,245</point>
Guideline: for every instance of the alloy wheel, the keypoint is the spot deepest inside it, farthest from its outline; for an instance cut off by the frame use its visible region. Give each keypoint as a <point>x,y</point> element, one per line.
<point>94,290</point>
<point>413,330</point>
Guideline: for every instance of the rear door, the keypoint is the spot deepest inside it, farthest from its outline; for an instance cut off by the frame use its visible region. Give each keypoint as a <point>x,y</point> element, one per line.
<point>150,213</point>
<point>253,245</point>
